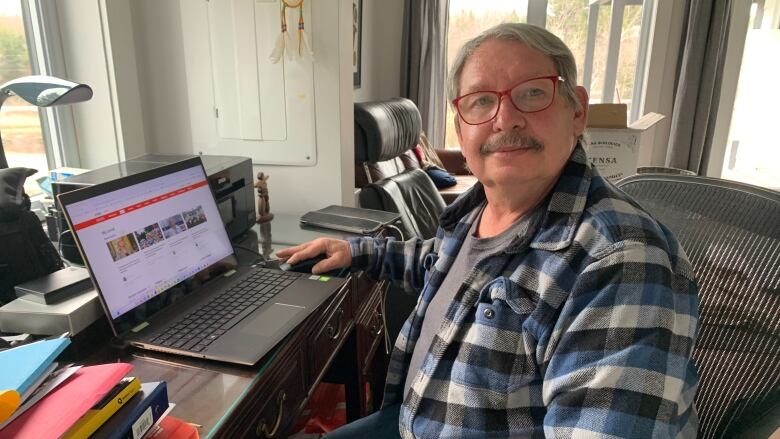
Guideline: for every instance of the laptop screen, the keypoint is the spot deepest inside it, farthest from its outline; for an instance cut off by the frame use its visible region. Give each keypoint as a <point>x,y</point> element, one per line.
<point>149,234</point>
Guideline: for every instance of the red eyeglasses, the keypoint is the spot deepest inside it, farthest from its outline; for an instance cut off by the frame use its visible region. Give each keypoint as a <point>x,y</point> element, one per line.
<point>530,96</point>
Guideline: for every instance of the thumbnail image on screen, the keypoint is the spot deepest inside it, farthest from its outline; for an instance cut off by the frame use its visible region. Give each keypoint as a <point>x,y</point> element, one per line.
<point>149,236</point>
<point>194,217</point>
<point>122,246</point>
<point>172,226</point>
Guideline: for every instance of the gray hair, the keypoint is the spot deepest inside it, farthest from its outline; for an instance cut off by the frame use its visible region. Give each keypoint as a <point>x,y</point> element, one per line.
<point>532,36</point>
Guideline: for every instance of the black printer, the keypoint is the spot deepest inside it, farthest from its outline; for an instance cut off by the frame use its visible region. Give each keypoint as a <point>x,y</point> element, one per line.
<point>230,178</point>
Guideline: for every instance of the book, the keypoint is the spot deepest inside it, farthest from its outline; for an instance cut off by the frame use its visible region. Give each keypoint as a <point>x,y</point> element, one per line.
<point>104,409</point>
<point>171,427</point>
<point>22,366</point>
<point>138,415</point>
<point>56,412</point>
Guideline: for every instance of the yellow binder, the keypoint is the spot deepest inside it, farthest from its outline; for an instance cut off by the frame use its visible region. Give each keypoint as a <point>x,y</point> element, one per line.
<point>104,409</point>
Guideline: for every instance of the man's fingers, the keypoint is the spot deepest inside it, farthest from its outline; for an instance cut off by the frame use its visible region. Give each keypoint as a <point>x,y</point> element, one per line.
<point>306,251</point>
<point>303,255</point>
<point>287,252</point>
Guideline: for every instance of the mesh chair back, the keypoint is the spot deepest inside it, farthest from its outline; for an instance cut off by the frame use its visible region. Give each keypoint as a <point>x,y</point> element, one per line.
<point>731,234</point>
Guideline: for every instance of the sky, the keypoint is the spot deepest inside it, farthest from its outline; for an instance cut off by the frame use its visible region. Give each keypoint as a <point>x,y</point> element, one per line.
<point>11,8</point>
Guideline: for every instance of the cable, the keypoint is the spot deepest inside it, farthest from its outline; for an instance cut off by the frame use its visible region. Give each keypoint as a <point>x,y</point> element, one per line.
<point>383,310</point>
<point>59,250</point>
<point>400,233</point>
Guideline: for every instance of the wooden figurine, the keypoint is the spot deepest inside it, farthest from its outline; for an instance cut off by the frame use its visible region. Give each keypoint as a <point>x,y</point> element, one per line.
<point>263,208</point>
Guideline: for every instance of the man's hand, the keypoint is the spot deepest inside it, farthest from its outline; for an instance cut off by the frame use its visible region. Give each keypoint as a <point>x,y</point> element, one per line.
<point>337,251</point>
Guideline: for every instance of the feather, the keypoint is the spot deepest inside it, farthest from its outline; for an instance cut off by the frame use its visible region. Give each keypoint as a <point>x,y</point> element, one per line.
<point>276,54</point>
<point>289,47</point>
<point>304,46</point>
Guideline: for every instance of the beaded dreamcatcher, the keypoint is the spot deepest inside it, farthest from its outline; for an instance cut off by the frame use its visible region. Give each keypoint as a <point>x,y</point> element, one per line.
<point>284,43</point>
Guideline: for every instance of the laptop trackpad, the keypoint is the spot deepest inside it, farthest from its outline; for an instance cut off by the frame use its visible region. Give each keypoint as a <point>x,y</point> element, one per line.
<point>271,320</point>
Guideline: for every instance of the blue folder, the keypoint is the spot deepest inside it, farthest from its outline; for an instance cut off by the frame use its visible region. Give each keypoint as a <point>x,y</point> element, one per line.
<point>22,366</point>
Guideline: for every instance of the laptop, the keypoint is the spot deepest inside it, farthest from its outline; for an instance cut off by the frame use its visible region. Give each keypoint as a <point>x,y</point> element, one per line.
<point>349,219</point>
<point>166,273</point>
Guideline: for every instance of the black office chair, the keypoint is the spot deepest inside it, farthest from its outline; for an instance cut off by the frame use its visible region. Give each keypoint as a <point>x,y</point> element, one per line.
<point>731,234</point>
<point>413,195</point>
<point>385,133</point>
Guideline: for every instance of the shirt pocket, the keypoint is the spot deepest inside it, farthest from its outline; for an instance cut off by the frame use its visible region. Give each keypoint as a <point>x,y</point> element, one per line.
<point>505,352</point>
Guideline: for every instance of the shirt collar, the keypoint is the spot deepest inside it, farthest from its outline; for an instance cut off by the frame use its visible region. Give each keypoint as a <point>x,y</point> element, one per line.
<point>563,211</point>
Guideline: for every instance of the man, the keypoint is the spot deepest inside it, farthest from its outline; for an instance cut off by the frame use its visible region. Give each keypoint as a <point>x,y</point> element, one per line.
<point>551,304</point>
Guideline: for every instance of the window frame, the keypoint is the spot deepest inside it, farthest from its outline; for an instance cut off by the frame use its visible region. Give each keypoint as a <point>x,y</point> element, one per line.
<point>42,32</point>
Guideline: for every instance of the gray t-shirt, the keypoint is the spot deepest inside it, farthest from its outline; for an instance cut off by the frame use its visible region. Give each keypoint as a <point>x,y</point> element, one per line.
<point>473,250</point>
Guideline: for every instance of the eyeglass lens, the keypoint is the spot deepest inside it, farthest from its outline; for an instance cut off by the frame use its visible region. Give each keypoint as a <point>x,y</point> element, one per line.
<point>527,97</point>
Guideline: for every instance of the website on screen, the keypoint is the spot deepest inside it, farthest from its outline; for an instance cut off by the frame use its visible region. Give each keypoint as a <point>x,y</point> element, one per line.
<point>143,239</point>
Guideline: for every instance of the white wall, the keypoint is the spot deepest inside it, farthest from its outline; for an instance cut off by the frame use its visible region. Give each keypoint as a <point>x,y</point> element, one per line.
<point>292,189</point>
<point>160,67</point>
<point>381,51</point>
<point>133,53</point>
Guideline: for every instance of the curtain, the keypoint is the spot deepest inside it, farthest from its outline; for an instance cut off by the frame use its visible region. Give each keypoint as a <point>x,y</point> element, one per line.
<point>424,63</point>
<point>697,91</point>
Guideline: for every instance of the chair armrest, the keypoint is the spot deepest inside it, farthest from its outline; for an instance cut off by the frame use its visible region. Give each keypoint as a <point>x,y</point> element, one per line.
<point>453,161</point>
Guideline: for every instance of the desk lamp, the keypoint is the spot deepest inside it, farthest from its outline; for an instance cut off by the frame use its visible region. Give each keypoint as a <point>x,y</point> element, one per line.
<point>42,91</point>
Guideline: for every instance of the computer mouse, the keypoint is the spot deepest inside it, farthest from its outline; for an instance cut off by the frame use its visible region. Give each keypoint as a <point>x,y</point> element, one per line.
<point>303,266</point>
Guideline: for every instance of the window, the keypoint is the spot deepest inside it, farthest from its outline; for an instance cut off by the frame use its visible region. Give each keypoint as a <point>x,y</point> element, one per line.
<point>20,124</point>
<point>29,45</point>
<point>751,153</point>
<point>605,36</point>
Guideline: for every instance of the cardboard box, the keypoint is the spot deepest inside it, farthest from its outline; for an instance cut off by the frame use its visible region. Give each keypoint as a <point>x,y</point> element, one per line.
<point>613,147</point>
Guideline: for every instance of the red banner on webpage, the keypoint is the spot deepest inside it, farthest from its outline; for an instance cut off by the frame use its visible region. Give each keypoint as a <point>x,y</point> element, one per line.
<point>138,205</point>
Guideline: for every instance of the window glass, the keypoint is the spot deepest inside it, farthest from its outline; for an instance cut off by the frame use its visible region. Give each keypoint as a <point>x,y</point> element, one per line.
<point>751,153</point>
<point>20,123</point>
<point>568,19</point>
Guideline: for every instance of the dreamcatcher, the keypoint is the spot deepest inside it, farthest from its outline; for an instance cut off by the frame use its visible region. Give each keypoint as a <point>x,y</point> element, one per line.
<point>284,43</point>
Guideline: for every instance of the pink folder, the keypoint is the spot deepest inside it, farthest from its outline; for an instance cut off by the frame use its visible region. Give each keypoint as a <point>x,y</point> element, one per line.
<point>56,412</point>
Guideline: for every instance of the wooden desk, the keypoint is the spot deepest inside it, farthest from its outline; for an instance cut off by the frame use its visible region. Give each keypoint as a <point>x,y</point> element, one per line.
<point>265,400</point>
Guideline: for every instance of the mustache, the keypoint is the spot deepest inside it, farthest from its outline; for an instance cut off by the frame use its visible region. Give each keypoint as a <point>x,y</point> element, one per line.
<point>511,139</point>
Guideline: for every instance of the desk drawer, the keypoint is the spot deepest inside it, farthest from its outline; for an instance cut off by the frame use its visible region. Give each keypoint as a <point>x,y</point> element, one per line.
<point>363,287</point>
<point>370,331</point>
<point>329,334</point>
<point>274,411</point>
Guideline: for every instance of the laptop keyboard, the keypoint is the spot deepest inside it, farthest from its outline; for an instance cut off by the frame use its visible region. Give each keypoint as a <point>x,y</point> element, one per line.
<point>197,330</point>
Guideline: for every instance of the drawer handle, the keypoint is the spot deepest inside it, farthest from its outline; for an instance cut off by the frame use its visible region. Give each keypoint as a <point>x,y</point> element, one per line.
<point>377,327</point>
<point>262,428</point>
<point>334,333</point>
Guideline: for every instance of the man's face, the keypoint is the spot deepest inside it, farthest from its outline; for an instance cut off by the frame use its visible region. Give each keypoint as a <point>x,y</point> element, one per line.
<point>527,147</point>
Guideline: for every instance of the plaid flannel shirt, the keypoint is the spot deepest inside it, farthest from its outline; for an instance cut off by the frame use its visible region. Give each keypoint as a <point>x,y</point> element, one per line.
<point>584,329</point>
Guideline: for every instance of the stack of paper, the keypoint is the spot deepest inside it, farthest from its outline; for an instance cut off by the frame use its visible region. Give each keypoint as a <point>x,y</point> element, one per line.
<point>37,400</point>
<point>23,369</point>
<point>60,409</point>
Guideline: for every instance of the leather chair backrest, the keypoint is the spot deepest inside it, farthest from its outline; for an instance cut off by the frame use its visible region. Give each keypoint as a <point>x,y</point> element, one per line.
<point>372,172</point>
<point>385,129</point>
<point>413,195</point>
